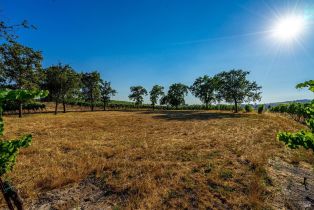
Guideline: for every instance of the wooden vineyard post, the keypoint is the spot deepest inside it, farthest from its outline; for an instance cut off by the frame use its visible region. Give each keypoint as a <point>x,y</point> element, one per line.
<point>7,199</point>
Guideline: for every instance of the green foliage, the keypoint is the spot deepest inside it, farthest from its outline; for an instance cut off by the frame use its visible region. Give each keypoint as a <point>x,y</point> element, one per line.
<point>233,86</point>
<point>62,82</point>
<point>24,95</point>
<point>307,84</point>
<point>260,109</point>
<point>248,108</point>
<point>9,106</point>
<point>155,93</point>
<point>106,92</point>
<point>204,88</point>
<point>175,96</point>
<point>299,139</point>
<point>10,148</point>
<point>137,93</point>
<point>20,68</point>
<point>303,138</point>
<point>226,174</point>
<point>296,110</point>
<point>91,87</point>
<point>21,65</point>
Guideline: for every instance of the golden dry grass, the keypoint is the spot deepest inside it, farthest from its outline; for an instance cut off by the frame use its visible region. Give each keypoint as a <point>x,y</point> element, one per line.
<point>160,160</point>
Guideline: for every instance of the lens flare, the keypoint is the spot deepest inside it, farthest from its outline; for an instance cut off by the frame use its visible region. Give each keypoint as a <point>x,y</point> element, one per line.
<point>289,28</point>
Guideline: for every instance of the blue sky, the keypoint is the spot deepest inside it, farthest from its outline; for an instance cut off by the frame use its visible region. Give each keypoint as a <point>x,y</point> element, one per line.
<point>147,42</point>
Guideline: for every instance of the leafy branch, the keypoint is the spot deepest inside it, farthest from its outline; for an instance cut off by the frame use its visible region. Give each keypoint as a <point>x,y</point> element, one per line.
<point>10,148</point>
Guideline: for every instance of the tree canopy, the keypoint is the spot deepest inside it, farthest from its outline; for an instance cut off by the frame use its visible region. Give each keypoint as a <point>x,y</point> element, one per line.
<point>61,81</point>
<point>21,65</point>
<point>156,92</point>
<point>106,91</point>
<point>137,94</point>
<point>91,87</point>
<point>233,86</point>
<point>204,88</point>
<point>176,94</point>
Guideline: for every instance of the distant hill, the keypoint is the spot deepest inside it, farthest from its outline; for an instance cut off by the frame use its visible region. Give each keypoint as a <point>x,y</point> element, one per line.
<point>287,102</point>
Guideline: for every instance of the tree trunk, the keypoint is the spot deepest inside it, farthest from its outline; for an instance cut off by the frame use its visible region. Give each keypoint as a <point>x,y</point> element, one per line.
<point>64,107</point>
<point>104,106</point>
<point>56,107</point>
<point>235,106</point>
<point>20,109</point>
<point>206,104</point>
<point>7,199</point>
<point>153,107</point>
<point>92,106</point>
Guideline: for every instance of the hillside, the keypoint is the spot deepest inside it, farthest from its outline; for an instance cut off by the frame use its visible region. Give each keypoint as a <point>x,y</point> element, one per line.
<point>157,160</point>
<point>287,102</point>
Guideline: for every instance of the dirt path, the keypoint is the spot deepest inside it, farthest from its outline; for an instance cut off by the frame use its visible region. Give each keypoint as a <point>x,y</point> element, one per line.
<point>295,191</point>
<point>87,195</point>
<point>292,191</point>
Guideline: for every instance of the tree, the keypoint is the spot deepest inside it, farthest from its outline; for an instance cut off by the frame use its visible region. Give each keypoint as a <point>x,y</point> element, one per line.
<point>106,92</point>
<point>21,67</point>
<point>233,86</point>
<point>164,100</point>
<point>204,88</point>
<point>176,93</point>
<point>61,81</point>
<point>91,87</point>
<point>137,93</point>
<point>156,92</point>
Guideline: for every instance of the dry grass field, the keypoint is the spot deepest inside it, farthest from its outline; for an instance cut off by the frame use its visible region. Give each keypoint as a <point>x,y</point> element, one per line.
<point>155,160</point>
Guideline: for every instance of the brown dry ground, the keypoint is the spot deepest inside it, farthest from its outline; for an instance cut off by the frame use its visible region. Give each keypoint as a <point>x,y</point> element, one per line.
<point>155,160</point>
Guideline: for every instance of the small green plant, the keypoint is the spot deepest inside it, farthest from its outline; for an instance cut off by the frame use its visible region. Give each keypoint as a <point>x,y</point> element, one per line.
<point>226,174</point>
<point>260,109</point>
<point>302,138</point>
<point>9,148</point>
<point>248,108</point>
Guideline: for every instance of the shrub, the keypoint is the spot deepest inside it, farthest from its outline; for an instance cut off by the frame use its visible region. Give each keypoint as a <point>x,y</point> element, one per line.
<point>260,109</point>
<point>226,174</point>
<point>248,108</point>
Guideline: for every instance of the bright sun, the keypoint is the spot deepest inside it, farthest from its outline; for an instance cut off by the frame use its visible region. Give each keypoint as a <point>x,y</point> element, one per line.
<point>289,28</point>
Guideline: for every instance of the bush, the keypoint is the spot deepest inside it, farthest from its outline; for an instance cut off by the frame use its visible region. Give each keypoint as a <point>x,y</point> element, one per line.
<point>260,109</point>
<point>248,108</point>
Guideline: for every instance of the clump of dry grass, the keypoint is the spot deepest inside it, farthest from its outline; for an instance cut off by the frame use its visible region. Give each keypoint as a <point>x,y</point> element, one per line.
<point>159,160</point>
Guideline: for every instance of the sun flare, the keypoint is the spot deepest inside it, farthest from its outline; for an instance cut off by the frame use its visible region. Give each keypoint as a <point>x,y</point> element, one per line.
<point>289,28</point>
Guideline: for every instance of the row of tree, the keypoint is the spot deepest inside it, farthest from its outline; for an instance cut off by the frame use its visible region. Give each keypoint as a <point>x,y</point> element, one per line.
<point>229,86</point>
<point>64,84</point>
<point>21,69</point>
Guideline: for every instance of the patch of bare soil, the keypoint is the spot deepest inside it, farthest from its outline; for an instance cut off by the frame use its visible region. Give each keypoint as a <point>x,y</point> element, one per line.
<point>86,195</point>
<point>295,184</point>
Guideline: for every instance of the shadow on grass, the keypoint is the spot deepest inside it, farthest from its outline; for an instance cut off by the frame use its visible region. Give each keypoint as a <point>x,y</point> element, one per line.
<point>193,115</point>
<point>180,115</point>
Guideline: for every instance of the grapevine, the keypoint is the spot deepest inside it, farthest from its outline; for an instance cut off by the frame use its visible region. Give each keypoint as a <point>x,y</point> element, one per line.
<point>10,148</point>
<point>302,138</point>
